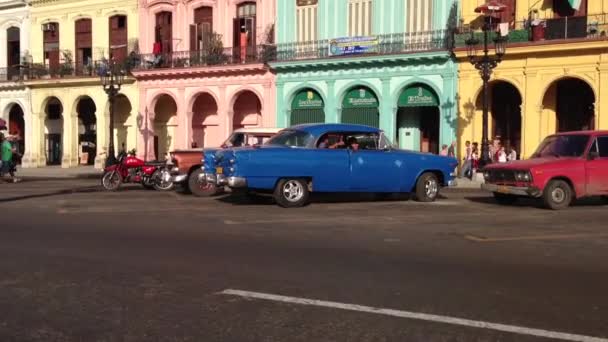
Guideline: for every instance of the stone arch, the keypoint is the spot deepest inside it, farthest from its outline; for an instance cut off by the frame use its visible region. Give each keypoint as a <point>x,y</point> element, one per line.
<point>360,104</point>
<point>156,95</point>
<point>505,113</point>
<point>15,114</point>
<point>199,91</point>
<point>247,109</point>
<point>165,125</point>
<point>205,122</point>
<point>234,96</point>
<point>570,104</point>
<point>419,122</point>
<point>479,90</point>
<point>418,80</point>
<point>53,119</point>
<point>358,83</point>
<point>85,110</point>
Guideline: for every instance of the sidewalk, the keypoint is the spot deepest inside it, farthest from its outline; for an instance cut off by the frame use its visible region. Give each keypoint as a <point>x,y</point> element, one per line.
<point>56,172</point>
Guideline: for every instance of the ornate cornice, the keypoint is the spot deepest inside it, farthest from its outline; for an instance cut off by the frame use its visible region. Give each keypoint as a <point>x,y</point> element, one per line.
<point>218,71</point>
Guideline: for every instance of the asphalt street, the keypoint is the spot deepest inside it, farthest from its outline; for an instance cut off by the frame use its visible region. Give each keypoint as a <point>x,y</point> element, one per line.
<point>80,264</point>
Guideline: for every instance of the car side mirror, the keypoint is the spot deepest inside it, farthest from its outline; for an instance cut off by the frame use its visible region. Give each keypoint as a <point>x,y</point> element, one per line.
<point>593,155</point>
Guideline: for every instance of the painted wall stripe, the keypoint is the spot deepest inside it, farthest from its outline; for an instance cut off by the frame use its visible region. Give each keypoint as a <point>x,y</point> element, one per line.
<point>418,316</point>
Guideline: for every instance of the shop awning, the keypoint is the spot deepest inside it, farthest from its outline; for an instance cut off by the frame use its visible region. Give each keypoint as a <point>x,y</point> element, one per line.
<point>575,4</point>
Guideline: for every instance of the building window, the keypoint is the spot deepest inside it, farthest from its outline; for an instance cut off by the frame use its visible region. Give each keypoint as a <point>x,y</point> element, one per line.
<point>419,14</point>
<point>246,10</point>
<point>306,23</point>
<point>360,17</point>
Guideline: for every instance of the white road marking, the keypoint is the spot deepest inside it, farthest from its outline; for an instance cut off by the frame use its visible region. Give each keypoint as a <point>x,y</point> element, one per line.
<point>416,315</point>
<point>536,237</point>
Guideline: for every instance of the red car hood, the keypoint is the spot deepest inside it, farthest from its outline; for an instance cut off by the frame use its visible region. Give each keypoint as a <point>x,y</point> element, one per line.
<point>532,163</point>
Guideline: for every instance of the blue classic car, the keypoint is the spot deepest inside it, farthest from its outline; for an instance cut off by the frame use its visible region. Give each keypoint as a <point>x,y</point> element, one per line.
<point>330,158</point>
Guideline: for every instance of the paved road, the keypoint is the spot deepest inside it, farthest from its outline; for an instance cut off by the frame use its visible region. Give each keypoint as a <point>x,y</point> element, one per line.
<point>77,264</point>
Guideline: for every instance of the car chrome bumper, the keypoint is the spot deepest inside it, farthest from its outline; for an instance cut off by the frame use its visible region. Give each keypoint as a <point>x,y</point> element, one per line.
<point>452,183</point>
<point>233,182</point>
<point>512,190</point>
<point>179,178</point>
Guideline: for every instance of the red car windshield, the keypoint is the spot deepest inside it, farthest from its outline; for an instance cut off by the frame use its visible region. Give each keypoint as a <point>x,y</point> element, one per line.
<point>562,146</point>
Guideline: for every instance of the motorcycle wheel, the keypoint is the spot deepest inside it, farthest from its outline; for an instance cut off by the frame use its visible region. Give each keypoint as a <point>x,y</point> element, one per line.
<point>111,180</point>
<point>162,180</point>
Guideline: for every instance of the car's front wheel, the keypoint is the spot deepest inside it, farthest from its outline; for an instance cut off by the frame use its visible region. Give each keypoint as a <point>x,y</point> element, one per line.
<point>291,193</point>
<point>201,188</point>
<point>504,199</point>
<point>557,195</point>
<point>427,187</point>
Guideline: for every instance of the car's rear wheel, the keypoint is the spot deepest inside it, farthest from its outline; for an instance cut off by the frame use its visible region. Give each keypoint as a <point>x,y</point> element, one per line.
<point>557,195</point>
<point>504,199</point>
<point>201,188</point>
<point>427,188</point>
<point>291,193</point>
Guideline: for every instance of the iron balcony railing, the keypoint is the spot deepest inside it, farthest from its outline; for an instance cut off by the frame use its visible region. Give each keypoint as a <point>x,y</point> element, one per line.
<point>38,71</point>
<point>386,44</point>
<point>590,27</point>
<point>202,58</point>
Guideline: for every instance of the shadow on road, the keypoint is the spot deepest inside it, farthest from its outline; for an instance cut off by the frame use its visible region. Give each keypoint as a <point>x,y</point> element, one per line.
<point>249,199</point>
<point>88,189</point>
<point>538,203</point>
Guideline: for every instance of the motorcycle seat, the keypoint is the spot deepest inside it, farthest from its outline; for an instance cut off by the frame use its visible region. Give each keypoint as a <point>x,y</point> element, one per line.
<point>156,163</point>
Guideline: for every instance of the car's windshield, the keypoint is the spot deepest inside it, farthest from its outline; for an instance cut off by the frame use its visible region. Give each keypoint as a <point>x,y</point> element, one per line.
<point>234,140</point>
<point>291,138</point>
<point>562,146</point>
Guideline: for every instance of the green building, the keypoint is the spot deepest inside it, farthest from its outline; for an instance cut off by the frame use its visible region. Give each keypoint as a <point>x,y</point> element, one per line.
<point>384,63</point>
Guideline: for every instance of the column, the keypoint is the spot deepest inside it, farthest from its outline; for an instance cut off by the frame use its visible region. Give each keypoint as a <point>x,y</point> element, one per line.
<point>387,109</point>
<point>532,104</point>
<point>269,116</point>
<point>226,119</point>
<point>184,124</point>
<point>33,141</point>
<point>333,110</point>
<point>448,121</point>
<point>601,104</point>
<point>283,109</point>
<point>70,139</point>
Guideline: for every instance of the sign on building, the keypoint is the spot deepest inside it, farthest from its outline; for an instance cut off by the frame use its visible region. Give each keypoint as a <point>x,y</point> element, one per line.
<point>353,46</point>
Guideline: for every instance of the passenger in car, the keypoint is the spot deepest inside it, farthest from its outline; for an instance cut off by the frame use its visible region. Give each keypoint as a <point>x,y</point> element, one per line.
<point>352,143</point>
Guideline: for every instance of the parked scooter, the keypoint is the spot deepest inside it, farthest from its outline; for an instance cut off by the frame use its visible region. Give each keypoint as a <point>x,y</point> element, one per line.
<point>130,169</point>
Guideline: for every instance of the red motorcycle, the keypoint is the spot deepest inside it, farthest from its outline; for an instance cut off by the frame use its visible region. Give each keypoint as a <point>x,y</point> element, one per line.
<point>130,169</point>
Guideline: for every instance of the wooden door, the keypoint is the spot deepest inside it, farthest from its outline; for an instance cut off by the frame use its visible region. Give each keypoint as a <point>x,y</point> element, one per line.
<point>118,37</point>
<point>165,31</point>
<point>51,46</point>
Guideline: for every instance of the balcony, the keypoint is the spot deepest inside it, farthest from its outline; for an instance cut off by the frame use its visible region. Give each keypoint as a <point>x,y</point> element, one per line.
<point>204,58</point>
<point>387,44</point>
<point>35,72</point>
<point>546,31</point>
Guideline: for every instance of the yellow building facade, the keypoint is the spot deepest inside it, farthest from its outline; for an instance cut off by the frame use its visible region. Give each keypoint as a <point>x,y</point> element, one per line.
<point>70,40</point>
<point>554,76</point>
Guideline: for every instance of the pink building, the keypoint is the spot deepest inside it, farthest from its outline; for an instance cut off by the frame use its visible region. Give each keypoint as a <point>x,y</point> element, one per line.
<point>201,72</point>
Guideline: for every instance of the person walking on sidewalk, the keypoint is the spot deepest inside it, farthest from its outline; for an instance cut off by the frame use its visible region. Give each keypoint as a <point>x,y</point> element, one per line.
<point>467,165</point>
<point>6,156</point>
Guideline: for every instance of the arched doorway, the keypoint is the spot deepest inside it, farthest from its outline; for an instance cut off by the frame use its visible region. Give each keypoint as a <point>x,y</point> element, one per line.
<point>16,126</point>
<point>505,113</point>
<point>205,122</point>
<point>307,107</point>
<point>122,113</point>
<point>165,124</point>
<point>247,110</point>
<point>87,130</point>
<point>418,119</point>
<point>53,129</point>
<point>360,106</point>
<point>573,102</point>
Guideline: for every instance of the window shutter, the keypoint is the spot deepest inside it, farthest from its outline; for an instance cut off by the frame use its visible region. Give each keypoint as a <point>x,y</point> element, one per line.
<point>193,45</point>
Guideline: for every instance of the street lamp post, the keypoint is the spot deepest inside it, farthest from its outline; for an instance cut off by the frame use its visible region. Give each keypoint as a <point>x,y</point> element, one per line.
<point>112,78</point>
<point>485,64</point>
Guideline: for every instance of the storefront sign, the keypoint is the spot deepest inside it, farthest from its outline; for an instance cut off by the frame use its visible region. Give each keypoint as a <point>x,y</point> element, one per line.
<point>307,99</point>
<point>360,98</point>
<point>418,96</point>
<point>353,46</point>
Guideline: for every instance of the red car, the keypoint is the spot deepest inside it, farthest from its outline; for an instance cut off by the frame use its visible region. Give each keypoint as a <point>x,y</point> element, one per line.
<point>566,166</point>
